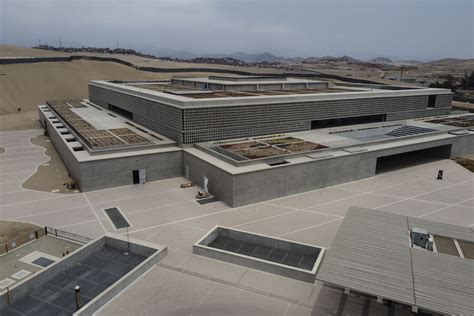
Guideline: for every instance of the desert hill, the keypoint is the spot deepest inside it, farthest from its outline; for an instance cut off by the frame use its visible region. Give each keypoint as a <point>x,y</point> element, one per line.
<point>25,86</point>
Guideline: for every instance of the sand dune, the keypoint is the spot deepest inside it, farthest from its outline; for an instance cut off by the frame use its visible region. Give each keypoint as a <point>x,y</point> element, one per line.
<point>24,86</point>
<point>27,85</point>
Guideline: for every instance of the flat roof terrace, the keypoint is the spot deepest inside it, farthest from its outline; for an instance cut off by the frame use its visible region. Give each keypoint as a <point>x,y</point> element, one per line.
<point>100,130</point>
<point>320,142</point>
<point>202,92</point>
<point>94,274</point>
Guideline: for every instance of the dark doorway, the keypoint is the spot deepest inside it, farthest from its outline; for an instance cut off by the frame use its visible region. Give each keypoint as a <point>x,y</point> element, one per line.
<point>121,112</point>
<point>136,176</point>
<point>431,101</point>
<point>412,158</point>
<point>348,121</point>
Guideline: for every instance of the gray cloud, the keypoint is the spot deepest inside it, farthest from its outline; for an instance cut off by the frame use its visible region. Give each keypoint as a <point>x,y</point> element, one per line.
<point>361,28</point>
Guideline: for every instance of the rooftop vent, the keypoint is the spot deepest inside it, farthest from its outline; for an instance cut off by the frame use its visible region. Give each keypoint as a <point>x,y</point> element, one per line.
<point>421,239</point>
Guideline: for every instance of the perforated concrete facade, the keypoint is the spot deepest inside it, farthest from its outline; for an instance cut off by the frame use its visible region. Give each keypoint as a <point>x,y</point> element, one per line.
<point>189,121</point>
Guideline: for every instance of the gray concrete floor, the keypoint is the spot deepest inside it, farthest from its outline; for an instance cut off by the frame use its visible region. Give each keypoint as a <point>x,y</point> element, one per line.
<point>163,213</point>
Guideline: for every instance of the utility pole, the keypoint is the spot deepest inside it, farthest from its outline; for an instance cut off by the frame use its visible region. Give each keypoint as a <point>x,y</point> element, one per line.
<point>401,73</point>
<point>117,44</point>
<point>60,43</point>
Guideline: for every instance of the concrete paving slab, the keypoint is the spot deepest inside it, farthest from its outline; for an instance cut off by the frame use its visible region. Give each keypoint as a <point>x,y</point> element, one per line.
<point>456,215</point>
<point>455,194</point>
<point>412,189</point>
<point>23,196</point>
<point>9,163</point>
<point>298,310</point>
<point>179,237</point>
<point>175,258</point>
<point>238,216</point>
<point>36,152</point>
<point>226,300</point>
<point>145,234</point>
<point>11,187</point>
<point>414,208</point>
<point>321,236</point>
<point>16,177</point>
<point>63,218</point>
<point>367,200</point>
<point>169,214</point>
<point>215,268</point>
<point>375,183</point>
<point>287,223</point>
<point>58,203</point>
<point>177,293</point>
<point>312,198</point>
<point>148,201</point>
<point>25,150</point>
<point>31,167</point>
<point>90,229</point>
<point>100,196</point>
<point>469,203</point>
<point>280,286</point>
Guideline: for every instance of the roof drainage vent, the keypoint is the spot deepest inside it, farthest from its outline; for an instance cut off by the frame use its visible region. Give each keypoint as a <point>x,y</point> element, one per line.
<point>421,239</point>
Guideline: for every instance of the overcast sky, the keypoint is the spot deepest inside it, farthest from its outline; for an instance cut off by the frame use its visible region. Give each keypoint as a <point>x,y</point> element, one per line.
<point>421,29</point>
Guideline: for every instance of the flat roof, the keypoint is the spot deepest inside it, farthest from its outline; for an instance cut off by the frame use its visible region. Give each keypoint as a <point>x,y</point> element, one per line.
<point>182,98</point>
<point>99,130</point>
<point>254,153</point>
<point>372,254</point>
<point>246,80</point>
<point>94,274</point>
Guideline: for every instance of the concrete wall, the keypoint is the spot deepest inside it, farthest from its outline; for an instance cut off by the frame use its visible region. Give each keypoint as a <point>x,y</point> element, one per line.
<point>220,182</point>
<point>60,145</point>
<point>202,248</point>
<point>283,180</point>
<point>290,179</point>
<point>107,173</point>
<point>463,145</point>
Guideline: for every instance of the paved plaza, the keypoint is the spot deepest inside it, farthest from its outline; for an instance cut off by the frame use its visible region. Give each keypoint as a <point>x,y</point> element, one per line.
<point>163,213</point>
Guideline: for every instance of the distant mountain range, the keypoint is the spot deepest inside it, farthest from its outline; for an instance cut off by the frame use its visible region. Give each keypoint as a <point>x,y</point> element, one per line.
<point>260,59</point>
<point>270,58</point>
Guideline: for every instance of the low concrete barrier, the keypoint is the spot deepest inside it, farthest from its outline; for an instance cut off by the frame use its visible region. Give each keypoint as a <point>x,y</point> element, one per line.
<point>203,247</point>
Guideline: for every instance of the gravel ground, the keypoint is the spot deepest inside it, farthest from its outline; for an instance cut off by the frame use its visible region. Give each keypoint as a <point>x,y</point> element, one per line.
<point>51,176</point>
<point>12,230</point>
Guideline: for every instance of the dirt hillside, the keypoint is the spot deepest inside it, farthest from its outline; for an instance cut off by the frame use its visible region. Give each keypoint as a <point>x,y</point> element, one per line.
<point>16,51</point>
<point>27,85</point>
